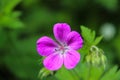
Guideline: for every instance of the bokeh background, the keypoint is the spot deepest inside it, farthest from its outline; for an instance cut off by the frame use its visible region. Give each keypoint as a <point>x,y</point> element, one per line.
<point>22,22</point>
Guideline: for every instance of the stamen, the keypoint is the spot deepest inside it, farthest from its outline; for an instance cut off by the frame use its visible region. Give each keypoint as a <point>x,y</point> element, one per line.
<point>61,49</point>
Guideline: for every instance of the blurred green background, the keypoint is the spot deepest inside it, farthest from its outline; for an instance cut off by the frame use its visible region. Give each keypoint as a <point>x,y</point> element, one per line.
<point>22,22</point>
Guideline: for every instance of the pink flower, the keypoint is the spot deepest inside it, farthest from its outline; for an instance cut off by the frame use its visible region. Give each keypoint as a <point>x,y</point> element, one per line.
<point>63,51</point>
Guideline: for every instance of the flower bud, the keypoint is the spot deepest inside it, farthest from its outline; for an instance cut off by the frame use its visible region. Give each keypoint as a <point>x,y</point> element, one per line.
<point>44,73</point>
<point>96,57</point>
<point>88,58</point>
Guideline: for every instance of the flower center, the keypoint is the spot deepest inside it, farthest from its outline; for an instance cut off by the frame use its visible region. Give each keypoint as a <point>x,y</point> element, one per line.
<point>61,49</point>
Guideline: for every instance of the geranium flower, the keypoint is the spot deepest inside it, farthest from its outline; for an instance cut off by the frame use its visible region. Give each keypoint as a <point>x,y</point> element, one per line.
<point>62,51</point>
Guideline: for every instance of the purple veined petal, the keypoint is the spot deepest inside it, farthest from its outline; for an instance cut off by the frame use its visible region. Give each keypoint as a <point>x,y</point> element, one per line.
<point>53,61</point>
<point>71,59</point>
<point>46,46</point>
<point>74,40</point>
<point>61,30</point>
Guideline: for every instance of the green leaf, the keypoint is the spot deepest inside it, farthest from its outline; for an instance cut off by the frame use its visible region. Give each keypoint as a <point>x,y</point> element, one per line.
<point>63,73</point>
<point>112,74</point>
<point>8,5</point>
<point>95,73</point>
<point>97,40</point>
<point>88,35</point>
<point>11,20</point>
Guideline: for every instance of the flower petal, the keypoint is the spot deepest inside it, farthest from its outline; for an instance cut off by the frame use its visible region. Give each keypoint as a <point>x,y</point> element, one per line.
<point>53,61</point>
<point>46,46</point>
<point>61,30</point>
<point>71,59</point>
<point>74,40</point>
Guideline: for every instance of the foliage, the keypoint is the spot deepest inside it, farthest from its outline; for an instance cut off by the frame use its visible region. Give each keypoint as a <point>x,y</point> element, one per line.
<point>9,18</point>
<point>22,22</point>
